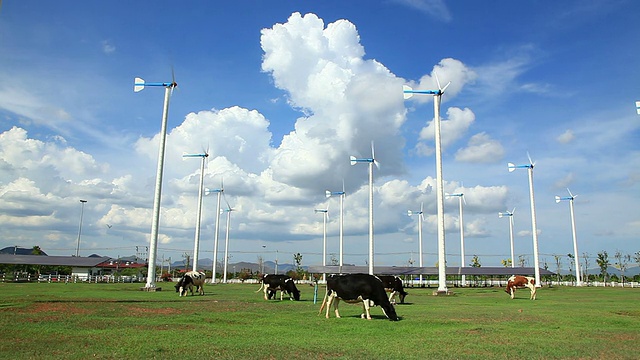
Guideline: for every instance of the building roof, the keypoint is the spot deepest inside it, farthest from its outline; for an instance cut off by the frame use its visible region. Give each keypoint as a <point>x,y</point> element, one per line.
<point>76,261</point>
<point>405,270</point>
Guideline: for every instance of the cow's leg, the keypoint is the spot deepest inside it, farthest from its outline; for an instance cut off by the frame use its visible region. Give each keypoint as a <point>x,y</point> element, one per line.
<point>366,308</point>
<point>392,296</point>
<point>533,291</point>
<point>513,292</point>
<point>330,299</point>
<point>281,294</point>
<point>329,303</point>
<point>336,301</point>
<point>266,290</point>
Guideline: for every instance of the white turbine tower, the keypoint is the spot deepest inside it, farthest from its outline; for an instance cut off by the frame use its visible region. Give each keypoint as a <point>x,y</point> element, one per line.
<point>420,219</point>
<point>372,160</point>
<point>437,97</point>
<point>196,242</point>
<point>342,196</point>
<point>573,229</point>
<point>510,215</point>
<point>325,216</point>
<point>534,226</point>
<point>228,210</point>
<point>462,260</point>
<point>220,192</point>
<point>138,85</point>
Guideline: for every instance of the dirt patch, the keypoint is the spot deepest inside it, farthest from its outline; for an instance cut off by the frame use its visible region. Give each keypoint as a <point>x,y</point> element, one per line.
<point>47,307</point>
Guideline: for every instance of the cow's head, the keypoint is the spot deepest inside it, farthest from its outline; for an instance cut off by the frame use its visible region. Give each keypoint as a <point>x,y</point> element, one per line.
<point>179,284</point>
<point>389,311</point>
<point>292,289</point>
<point>185,283</point>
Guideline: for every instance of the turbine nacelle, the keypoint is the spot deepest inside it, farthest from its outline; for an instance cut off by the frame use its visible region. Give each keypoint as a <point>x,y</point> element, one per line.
<point>329,194</point>
<point>408,91</point>
<point>139,84</point>
<point>506,213</point>
<point>354,160</point>
<point>570,197</point>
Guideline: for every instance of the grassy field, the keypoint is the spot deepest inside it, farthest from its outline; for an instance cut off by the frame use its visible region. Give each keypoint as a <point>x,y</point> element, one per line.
<point>109,321</point>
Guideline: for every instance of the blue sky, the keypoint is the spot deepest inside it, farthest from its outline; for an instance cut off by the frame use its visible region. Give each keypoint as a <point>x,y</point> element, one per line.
<point>282,93</point>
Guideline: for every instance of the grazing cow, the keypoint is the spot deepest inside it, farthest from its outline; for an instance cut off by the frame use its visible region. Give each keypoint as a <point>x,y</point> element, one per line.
<point>393,285</point>
<point>189,280</point>
<point>272,283</point>
<point>519,282</point>
<point>356,288</point>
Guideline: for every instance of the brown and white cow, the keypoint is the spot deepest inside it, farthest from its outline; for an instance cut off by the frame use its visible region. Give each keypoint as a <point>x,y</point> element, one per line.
<point>189,280</point>
<point>519,282</point>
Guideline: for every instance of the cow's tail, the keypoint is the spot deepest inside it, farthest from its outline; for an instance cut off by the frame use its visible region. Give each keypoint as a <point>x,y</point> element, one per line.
<point>261,286</point>
<point>324,302</point>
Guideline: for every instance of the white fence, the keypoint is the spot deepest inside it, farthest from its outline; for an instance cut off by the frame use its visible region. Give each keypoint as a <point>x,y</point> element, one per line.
<point>23,277</point>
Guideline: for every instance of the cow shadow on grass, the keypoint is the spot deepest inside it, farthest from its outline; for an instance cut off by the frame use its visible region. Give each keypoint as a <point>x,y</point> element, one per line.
<point>373,317</point>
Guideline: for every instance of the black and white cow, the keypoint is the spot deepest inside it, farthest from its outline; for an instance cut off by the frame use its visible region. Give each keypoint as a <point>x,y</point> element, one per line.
<point>393,285</point>
<point>357,288</point>
<point>272,283</point>
<point>189,280</point>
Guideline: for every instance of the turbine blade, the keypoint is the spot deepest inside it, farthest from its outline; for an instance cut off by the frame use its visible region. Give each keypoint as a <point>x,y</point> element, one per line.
<point>327,194</point>
<point>557,199</point>
<point>437,81</point>
<point>445,87</point>
<point>353,160</point>
<point>373,152</point>
<point>530,161</point>
<point>511,166</point>
<point>409,212</point>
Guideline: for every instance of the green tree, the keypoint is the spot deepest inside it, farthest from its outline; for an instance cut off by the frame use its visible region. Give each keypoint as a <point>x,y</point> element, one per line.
<point>622,261</point>
<point>475,261</point>
<point>506,262</point>
<point>558,259</point>
<point>603,263</point>
<point>297,257</point>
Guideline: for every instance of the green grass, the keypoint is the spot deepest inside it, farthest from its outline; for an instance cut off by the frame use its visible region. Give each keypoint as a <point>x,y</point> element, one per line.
<point>116,321</point>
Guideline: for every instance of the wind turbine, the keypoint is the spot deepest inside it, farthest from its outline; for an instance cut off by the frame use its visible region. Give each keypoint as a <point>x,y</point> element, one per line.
<point>220,192</point>
<point>228,210</point>
<point>437,98</point>
<point>534,227</point>
<point>325,215</point>
<point>420,218</point>
<point>461,200</point>
<point>573,229</point>
<point>342,195</point>
<point>196,242</point>
<point>372,160</point>
<point>510,215</point>
<point>138,85</point>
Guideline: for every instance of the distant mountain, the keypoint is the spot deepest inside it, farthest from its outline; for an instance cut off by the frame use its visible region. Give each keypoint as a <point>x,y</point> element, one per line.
<point>15,250</point>
<point>269,266</point>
